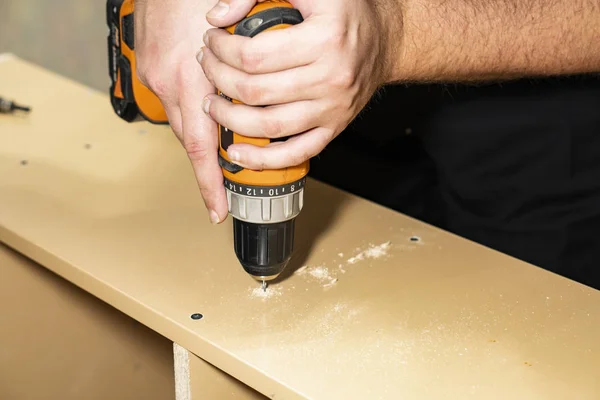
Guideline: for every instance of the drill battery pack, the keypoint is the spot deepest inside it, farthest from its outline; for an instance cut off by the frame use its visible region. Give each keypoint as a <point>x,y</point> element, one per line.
<point>130,99</point>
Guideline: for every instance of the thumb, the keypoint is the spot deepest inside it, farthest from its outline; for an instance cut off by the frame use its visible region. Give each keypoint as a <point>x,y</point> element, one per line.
<point>229,12</point>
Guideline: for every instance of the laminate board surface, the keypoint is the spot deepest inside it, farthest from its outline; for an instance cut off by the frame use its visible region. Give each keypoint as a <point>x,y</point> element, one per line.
<point>374,305</point>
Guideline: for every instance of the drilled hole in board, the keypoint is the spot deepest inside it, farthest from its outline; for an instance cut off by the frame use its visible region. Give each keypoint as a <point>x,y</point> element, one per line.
<point>415,239</point>
<point>196,316</point>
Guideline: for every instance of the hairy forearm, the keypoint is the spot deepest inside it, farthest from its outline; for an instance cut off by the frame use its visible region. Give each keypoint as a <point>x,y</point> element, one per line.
<point>469,40</point>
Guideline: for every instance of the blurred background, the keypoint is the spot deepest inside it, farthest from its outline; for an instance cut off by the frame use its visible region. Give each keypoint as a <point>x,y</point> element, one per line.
<point>66,36</point>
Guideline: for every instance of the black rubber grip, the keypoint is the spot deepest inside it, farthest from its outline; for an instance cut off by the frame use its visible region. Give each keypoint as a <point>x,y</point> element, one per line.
<point>259,22</point>
<point>229,166</point>
<point>128,29</point>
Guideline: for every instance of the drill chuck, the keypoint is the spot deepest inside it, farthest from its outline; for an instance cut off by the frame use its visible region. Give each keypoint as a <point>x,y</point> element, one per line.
<point>264,250</point>
<point>263,225</point>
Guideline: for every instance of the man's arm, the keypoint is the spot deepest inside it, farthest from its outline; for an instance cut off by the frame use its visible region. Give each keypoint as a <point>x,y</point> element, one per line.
<point>318,75</point>
<point>466,40</point>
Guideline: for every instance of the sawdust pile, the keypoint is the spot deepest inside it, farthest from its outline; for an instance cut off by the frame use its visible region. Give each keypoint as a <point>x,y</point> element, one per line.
<point>320,273</point>
<point>373,252</point>
<point>272,291</point>
<point>326,277</point>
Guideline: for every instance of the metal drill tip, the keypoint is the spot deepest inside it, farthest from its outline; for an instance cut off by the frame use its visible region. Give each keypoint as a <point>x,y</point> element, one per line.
<point>21,108</point>
<point>264,286</point>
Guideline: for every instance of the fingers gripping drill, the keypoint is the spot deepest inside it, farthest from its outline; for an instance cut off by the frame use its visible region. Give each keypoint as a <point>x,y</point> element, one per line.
<point>263,204</point>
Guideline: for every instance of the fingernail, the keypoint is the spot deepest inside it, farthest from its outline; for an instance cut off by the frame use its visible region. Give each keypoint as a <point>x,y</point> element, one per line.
<point>233,155</point>
<point>214,217</point>
<point>219,10</point>
<point>199,56</point>
<point>206,105</point>
<point>205,38</point>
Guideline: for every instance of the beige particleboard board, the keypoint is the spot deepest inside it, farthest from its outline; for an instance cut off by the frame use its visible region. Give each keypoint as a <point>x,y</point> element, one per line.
<point>438,318</point>
<point>195,379</point>
<point>59,342</point>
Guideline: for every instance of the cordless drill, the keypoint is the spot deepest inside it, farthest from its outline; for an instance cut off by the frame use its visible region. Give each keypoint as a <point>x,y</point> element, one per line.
<point>263,204</point>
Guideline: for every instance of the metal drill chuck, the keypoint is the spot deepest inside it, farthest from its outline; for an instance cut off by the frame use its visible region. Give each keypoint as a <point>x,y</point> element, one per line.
<point>263,225</point>
<point>264,250</point>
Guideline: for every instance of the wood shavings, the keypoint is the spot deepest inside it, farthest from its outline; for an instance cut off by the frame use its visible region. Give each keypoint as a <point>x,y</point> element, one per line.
<point>373,252</point>
<point>319,273</point>
<point>272,291</point>
<point>331,283</point>
<point>301,270</point>
<point>356,258</point>
<point>339,307</point>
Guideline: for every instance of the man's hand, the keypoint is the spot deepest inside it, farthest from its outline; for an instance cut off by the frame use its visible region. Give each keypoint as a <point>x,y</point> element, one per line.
<point>168,37</point>
<point>314,78</point>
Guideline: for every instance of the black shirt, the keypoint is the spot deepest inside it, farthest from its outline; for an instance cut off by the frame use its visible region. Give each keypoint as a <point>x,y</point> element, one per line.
<point>513,166</point>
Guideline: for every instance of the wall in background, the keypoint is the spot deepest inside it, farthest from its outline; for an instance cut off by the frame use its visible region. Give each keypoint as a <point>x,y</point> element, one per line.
<point>66,36</point>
